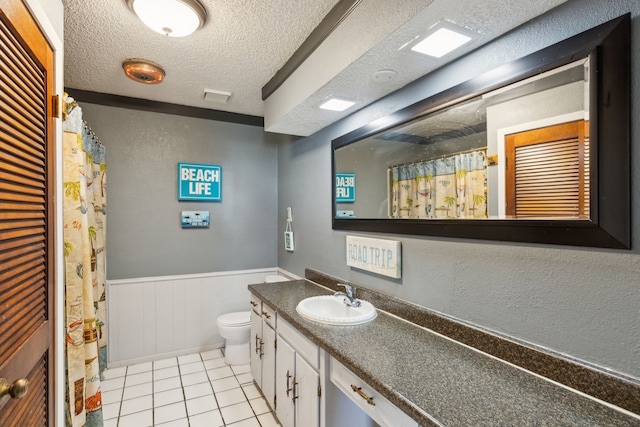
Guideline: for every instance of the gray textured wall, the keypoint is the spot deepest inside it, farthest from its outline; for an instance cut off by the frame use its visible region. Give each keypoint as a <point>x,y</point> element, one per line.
<point>144,235</point>
<point>579,301</point>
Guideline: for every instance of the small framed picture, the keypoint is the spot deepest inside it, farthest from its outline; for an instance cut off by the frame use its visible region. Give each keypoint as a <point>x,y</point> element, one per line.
<point>288,240</point>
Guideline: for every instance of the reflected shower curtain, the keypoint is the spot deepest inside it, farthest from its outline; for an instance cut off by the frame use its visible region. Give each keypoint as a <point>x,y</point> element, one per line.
<point>448,187</point>
<point>84,252</point>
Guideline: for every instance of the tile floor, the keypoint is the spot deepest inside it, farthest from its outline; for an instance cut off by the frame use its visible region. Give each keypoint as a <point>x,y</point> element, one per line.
<point>187,391</point>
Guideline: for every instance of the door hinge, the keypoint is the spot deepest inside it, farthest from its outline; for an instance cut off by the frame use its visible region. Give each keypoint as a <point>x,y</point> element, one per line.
<point>55,106</point>
<point>319,391</point>
<point>275,344</point>
<point>275,401</point>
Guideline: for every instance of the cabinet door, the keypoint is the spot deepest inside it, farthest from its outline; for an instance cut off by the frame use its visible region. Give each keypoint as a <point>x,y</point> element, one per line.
<point>269,363</point>
<point>285,371</point>
<point>306,394</point>
<point>256,338</point>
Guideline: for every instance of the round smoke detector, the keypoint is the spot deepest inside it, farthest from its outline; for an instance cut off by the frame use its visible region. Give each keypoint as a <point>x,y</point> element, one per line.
<point>143,71</point>
<point>384,76</point>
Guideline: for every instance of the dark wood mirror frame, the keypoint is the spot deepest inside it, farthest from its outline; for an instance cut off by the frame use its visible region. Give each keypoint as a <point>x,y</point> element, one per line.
<point>609,226</point>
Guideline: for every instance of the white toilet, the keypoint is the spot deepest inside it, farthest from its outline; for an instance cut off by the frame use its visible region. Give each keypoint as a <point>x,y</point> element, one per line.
<point>235,328</point>
<point>273,278</point>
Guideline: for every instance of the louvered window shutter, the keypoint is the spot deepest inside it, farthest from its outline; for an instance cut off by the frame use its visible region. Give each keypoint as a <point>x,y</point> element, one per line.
<point>548,173</point>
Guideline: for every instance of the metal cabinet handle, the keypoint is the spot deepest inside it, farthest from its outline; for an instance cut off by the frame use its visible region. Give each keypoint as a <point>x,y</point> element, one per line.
<point>288,387</point>
<point>267,315</point>
<point>261,348</point>
<point>295,389</point>
<point>15,390</point>
<point>257,343</point>
<point>253,303</point>
<point>358,390</point>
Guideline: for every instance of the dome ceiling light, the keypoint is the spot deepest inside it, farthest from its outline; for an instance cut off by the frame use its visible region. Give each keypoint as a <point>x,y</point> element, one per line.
<point>174,18</point>
<point>143,71</point>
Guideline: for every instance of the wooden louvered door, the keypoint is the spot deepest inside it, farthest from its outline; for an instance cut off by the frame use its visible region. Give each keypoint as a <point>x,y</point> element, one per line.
<point>26,220</point>
<point>547,172</point>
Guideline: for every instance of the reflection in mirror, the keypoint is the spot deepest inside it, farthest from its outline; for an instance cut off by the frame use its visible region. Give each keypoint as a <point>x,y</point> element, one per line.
<point>521,151</point>
<point>534,151</point>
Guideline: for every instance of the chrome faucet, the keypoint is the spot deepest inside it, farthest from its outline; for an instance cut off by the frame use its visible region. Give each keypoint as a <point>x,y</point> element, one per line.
<point>349,296</point>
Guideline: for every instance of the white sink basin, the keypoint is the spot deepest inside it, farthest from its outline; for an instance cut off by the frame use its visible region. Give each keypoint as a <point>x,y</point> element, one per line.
<point>332,310</point>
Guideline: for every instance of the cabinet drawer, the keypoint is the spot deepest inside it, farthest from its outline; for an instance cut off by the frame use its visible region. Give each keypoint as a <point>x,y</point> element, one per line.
<point>256,305</point>
<point>303,346</point>
<point>370,401</point>
<point>269,315</point>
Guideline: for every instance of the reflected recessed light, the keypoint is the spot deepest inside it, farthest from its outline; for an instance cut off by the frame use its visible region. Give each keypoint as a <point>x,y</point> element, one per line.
<point>441,39</point>
<point>440,43</point>
<point>335,104</point>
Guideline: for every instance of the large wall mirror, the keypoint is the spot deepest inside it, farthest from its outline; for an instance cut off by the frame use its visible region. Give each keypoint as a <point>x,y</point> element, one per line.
<point>535,151</point>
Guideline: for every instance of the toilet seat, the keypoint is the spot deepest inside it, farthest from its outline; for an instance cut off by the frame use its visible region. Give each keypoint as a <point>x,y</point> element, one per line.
<point>236,319</point>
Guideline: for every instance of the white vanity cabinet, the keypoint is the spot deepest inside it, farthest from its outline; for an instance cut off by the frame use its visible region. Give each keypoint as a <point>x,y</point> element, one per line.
<point>263,348</point>
<point>379,409</point>
<point>298,379</point>
<point>255,346</point>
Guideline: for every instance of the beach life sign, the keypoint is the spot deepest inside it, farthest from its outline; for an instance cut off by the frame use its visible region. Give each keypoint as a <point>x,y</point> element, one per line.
<point>345,187</point>
<point>199,182</point>
<point>376,255</point>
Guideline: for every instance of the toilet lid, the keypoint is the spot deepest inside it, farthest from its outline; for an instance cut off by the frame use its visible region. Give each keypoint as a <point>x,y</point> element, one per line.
<point>239,318</point>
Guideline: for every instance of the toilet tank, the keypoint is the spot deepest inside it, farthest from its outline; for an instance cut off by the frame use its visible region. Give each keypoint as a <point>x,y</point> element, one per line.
<point>273,278</point>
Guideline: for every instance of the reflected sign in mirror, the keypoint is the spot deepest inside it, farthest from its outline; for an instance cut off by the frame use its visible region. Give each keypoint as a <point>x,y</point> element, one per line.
<point>525,157</point>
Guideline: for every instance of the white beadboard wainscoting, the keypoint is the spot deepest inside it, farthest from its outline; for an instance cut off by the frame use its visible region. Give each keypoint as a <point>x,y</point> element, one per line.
<point>152,318</point>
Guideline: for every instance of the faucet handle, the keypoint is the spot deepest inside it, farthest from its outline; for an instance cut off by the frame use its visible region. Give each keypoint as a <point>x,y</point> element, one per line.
<point>350,290</point>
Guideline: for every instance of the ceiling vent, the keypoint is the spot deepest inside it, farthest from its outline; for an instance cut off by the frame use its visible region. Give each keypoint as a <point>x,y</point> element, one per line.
<point>216,95</point>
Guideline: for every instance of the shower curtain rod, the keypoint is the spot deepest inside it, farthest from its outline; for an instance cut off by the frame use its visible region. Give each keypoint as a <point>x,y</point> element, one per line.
<point>68,104</point>
<point>93,135</point>
<point>471,150</point>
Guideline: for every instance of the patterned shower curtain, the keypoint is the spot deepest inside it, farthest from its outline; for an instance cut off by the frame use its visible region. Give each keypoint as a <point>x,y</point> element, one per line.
<point>84,251</point>
<point>448,187</point>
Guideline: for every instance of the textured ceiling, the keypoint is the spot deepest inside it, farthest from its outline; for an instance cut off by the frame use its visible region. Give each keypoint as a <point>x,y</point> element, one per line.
<point>245,42</point>
<point>487,19</point>
<point>242,45</point>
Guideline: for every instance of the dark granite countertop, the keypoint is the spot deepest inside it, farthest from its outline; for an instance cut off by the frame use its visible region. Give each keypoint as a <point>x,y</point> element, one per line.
<point>431,377</point>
